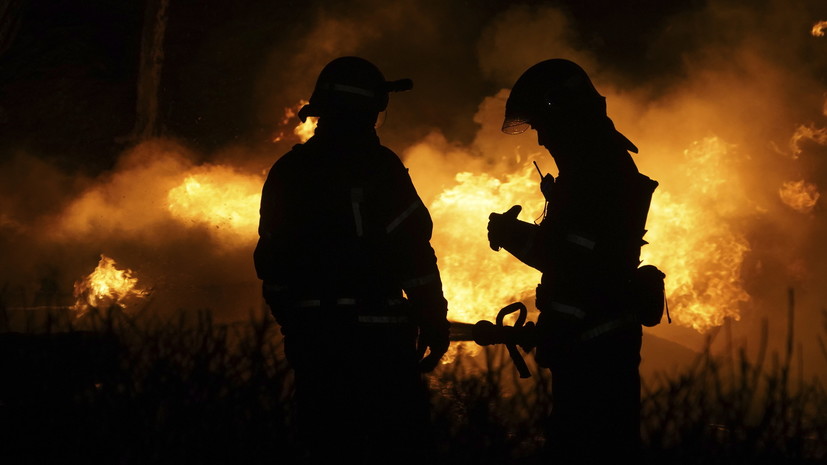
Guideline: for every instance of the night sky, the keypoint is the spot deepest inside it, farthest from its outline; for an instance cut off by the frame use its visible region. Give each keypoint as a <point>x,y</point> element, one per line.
<point>68,69</point>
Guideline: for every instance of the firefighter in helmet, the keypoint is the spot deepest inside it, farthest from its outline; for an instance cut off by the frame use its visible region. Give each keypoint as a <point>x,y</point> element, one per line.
<point>588,249</point>
<point>349,273</point>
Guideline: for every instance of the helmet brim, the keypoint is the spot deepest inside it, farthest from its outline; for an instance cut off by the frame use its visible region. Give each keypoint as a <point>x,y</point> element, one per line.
<point>307,111</point>
<point>625,142</point>
<point>515,126</point>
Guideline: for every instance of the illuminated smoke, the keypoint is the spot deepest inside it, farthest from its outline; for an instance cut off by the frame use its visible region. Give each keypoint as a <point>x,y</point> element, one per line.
<point>819,28</point>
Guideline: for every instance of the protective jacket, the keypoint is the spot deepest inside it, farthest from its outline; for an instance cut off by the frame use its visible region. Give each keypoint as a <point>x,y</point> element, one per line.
<point>342,227</point>
<point>587,248</point>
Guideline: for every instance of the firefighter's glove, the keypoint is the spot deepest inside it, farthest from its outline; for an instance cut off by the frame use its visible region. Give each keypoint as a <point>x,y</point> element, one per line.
<point>433,339</point>
<point>503,227</point>
<point>547,186</point>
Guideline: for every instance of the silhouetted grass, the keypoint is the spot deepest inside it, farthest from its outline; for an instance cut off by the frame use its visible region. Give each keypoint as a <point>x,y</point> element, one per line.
<point>115,389</point>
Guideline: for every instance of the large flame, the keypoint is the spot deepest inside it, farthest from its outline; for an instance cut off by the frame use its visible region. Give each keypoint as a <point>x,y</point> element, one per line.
<point>220,197</point>
<point>476,280</point>
<point>694,244</point>
<point>106,287</point>
<point>691,235</point>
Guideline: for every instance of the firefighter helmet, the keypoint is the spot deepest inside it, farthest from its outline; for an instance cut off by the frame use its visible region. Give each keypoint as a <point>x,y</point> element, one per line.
<point>351,84</point>
<point>558,89</point>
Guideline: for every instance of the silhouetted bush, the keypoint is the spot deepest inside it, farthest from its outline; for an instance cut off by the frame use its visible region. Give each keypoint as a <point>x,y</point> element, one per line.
<point>122,390</point>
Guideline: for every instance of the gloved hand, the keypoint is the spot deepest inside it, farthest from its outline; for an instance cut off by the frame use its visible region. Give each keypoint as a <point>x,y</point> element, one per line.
<point>433,339</point>
<point>501,225</point>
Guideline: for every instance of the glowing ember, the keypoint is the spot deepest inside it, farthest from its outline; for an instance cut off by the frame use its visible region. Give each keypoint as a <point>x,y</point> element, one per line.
<point>105,287</point>
<point>801,196</point>
<point>220,197</point>
<point>819,28</point>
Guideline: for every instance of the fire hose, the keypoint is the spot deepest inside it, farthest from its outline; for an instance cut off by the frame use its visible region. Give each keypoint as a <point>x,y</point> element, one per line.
<point>486,333</point>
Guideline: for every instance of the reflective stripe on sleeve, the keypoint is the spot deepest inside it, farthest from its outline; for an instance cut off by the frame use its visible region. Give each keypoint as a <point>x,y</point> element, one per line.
<point>420,281</point>
<point>382,319</point>
<point>568,310</point>
<point>581,241</point>
<point>405,214</point>
<point>269,287</point>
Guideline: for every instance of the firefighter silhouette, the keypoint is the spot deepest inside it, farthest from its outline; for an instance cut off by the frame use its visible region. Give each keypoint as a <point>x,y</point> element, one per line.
<point>343,233</point>
<point>587,248</point>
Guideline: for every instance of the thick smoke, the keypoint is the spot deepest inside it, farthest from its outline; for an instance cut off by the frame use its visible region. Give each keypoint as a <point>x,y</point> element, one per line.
<point>727,104</point>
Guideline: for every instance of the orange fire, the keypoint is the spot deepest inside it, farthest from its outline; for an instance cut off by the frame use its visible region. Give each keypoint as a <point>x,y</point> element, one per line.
<point>106,287</point>
<point>476,280</point>
<point>801,196</point>
<point>819,28</point>
<point>304,131</point>
<point>693,243</point>
<point>690,235</point>
<point>690,240</point>
<point>220,197</point>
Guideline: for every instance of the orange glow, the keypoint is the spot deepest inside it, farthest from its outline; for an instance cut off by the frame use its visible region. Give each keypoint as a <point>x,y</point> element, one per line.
<point>306,130</point>
<point>801,196</point>
<point>478,281</point>
<point>105,287</point>
<point>808,133</point>
<point>694,245</point>
<point>819,28</point>
<point>689,230</point>
<point>690,240</point>
<point>303,131</point>
<point>219,197</point>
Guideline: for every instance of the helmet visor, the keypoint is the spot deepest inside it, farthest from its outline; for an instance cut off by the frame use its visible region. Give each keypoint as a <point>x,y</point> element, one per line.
<point>520,110</point>
<point>515,125</point>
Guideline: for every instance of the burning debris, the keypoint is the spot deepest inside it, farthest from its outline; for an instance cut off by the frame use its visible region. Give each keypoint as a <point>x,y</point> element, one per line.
<point>801,196</point>
<point>106,287</point>
<point>819,28</point>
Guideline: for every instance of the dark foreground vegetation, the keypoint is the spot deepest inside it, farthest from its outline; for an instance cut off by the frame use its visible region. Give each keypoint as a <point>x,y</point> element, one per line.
<point>114,389</point>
